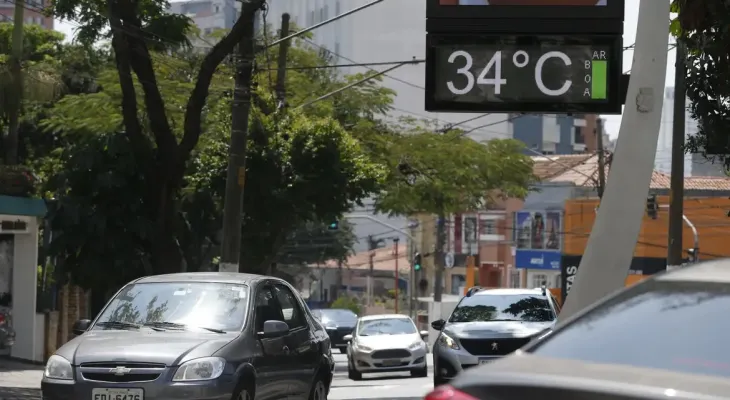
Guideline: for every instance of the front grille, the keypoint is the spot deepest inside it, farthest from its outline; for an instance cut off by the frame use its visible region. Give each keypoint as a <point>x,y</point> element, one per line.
<point>392,353</point>
<point>492,347</point>
<point>132,372</point>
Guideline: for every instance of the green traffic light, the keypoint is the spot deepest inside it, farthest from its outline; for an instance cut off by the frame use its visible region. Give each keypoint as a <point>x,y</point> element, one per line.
<point>333,226</point>
<point>417,267</point>
<point>417,262</point>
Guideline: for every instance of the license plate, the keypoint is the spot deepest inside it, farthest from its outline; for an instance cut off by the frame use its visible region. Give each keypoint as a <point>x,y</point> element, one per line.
<point>117,394</point>
<point>389,363</point>
<point>483,361</point>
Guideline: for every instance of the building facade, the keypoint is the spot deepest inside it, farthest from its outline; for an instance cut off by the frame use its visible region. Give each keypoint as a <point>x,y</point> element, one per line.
<point>32,13</point>
<point>208,16</point>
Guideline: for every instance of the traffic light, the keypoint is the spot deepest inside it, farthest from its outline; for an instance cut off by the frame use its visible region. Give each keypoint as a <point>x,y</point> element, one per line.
<point>333,226</point>
<point>417,262</point>
<point>652,206</point>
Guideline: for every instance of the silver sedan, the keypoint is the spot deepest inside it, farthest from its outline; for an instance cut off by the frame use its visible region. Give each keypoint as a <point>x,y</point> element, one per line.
<point>386,343</point>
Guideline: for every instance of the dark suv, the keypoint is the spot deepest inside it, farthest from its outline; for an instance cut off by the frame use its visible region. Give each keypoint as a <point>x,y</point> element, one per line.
<point>196,336</point>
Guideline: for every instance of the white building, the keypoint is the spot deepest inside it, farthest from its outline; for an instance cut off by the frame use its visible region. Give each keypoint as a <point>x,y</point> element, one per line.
<point>694,164</point>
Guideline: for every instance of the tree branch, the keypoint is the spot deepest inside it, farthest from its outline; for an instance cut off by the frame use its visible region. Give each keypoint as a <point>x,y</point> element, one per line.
<point>197,100</point>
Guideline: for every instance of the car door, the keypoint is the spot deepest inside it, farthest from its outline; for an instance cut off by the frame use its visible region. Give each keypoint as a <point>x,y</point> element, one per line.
<point>302,344</point>
<point>271,382</point>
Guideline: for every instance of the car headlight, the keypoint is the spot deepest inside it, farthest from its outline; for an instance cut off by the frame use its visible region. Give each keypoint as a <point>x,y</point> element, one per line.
<point>360,347</point>
<point>58,367</point>
<point>330,326</point>
<point>447,341</point>
<point>416,346</point>
<point>200,369</point>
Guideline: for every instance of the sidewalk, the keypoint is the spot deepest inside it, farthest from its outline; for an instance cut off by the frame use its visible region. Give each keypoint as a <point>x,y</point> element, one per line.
<point>20,381</point>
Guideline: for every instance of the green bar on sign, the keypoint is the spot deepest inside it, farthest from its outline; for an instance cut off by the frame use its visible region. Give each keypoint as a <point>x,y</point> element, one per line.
<point>599,72</point>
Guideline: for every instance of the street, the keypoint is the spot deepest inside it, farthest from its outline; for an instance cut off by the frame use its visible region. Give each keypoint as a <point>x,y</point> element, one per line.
<point>22,381</point>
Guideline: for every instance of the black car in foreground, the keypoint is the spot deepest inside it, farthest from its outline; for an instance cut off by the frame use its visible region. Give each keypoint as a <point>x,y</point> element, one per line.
<point>662,338</point>
<point>338,323</point>
<point>196,336</point>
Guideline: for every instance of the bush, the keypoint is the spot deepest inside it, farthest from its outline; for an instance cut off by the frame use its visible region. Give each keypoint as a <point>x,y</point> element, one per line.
<point>347,303</point>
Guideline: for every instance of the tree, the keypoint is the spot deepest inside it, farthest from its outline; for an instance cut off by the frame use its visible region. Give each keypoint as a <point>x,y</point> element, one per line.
<point>27,73</point>
<point>314,243</point>
<point>703,26</point>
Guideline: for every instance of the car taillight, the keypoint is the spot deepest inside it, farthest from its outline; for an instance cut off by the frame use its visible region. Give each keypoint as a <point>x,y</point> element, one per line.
<point>448,393</point>
<point>2,318</point>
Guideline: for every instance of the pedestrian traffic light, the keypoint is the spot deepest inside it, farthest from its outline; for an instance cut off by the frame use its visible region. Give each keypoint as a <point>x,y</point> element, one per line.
<point>333,226</point>
<point>417,262</point>
<point>652,206</point>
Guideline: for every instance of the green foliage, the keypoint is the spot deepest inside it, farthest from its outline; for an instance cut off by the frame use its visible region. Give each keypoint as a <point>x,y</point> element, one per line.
<point>346,303</point>
<point>314,243</point>
<point>703,25</point>
<point>451,173</point>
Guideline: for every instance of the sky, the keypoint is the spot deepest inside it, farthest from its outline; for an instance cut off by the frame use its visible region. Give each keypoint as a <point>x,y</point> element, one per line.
<point>613,122</point>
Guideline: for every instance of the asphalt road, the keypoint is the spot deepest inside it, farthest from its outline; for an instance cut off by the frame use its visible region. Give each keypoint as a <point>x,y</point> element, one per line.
<point>396,386</point>
<point>20,381</point>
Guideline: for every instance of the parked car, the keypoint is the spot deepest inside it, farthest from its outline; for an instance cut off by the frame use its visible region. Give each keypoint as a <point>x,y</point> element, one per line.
<point>7,333</point>
<point>338,323</point>
<point>488,324</point>
<point>660,338</point>
<point>386,343</point>
<point>196,336</point>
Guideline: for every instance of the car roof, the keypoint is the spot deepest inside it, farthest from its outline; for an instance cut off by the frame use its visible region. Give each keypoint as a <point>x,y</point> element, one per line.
<point>220,277</point>
<point>528,370</point>
<point>383,316</point>
<point>717,270</point>
<point>500,292</point>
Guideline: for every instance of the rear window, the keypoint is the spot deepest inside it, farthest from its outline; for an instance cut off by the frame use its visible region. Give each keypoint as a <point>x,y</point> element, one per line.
<point>511,307</point>
<point>676,326</point>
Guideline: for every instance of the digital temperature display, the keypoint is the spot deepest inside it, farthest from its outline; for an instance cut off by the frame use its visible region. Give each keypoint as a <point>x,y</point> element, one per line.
<point>533,74</point>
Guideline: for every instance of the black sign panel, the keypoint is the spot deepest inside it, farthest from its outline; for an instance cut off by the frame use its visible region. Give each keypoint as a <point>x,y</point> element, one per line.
<point>497,73</point>
<point>534,9</point>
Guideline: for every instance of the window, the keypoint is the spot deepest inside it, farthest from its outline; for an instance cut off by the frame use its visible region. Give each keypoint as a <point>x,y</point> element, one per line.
<point>385,326</point>
<point>326,12</point>
<point>192,304</point>
<point>538,280</point>
<point>655,324</point>
<point>216,9</point>
<point>578,137</point>
<point>488,227</point>
<point>266,309</point>
<point>289,307</point>
<point>515,279</point>
<point>337,49</point>
<point>513,307</point>
<point>337,8</point>
<point>457,282</point>
<point>311,18</point>
<point>321,14</point>
<point>470,230</point>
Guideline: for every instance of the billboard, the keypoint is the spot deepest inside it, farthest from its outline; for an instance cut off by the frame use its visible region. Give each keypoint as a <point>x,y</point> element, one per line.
<point>543,9</point>
<point>538,239</point>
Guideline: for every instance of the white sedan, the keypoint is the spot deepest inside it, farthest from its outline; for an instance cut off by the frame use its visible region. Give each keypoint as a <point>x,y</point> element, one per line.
<point>386,343</point>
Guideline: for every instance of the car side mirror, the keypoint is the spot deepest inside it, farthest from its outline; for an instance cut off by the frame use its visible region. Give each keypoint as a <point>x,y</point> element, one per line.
<point>347,338</point>
<point>438,324</point>
<point>81,326</point>
<point>424,334</point>
<point>273,329</point>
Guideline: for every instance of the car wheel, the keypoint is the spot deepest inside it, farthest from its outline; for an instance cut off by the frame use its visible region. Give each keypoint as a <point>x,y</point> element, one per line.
<point>343,350</point>
<point>243,393</point>
<point>319,390</point>
<point>420,373</point>
<point>352,373</point>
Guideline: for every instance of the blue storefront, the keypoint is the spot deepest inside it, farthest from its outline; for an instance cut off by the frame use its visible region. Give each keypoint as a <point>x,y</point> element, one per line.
<point>537,237</point>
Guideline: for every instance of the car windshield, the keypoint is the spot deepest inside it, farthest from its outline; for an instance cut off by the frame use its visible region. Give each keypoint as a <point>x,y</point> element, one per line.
<point>206,305</point>
<point>511,307</point>
<point>675,326</point>
<point>386,326</point>
<point>341,316</point>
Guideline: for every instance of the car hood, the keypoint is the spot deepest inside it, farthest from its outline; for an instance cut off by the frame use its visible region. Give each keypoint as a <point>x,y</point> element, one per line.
<point>169,348</point>
<point>495,329</point>
<point>389,341</point>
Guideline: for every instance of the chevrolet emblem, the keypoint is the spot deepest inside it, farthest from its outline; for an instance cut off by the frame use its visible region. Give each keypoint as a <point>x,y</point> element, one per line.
<point>495,346</point>
<point>119,371</point>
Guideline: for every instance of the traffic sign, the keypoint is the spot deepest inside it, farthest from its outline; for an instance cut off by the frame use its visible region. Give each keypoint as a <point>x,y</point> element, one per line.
<point>526,9</point>
<point>523,73</point>
<point>449,260</point>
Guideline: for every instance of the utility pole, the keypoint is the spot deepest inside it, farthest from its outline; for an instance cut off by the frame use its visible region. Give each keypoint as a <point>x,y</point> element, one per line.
<point>439,261</point>
<point>396,240</point>
<point>372,246</point>
<point>281,64</point>
<point>676,184</point>
<point>601,158</point>
<point>240,110</point>
<point>16,55</point>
